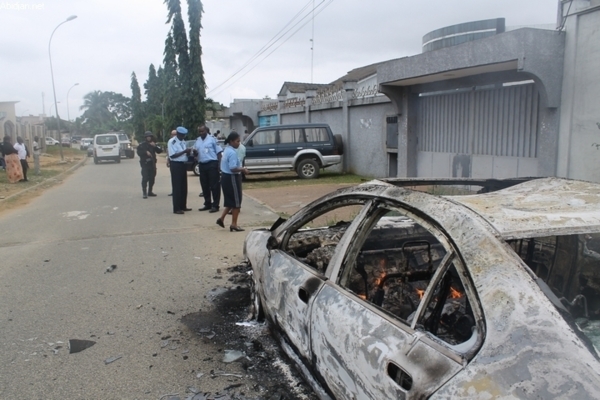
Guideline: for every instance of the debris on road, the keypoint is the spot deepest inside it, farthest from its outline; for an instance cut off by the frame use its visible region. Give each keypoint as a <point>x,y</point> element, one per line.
<point>233,356</point>
<point>77,345</point>
<point>112,359</point>
<point>111,268</point>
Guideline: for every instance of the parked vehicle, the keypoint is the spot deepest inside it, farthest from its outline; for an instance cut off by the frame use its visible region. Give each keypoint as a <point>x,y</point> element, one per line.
<point>85,143</point>
<point>65,142</point>
<point>107,147</point>
<point>50,141</point>
<point>125,145</point>
<point>386,293</point>
<point>304,148</point>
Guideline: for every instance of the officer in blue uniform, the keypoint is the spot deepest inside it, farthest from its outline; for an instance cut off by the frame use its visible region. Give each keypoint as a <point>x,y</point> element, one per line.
<point>178,153</point>
<point>209,158</point>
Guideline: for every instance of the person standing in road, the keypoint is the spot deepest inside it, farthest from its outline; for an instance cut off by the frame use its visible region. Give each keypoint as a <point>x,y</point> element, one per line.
<point>209,157</point>
<point>14,171</point>
<point>173,133</point>
<point>178,153</point>
<point>36,155</point>
<point>147,152</point>
<point>23,154</point>
<point>231,182</point>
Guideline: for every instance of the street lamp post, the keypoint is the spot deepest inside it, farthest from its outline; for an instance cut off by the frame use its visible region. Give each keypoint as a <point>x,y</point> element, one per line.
<point>68,116</point>
<point>72,17</point>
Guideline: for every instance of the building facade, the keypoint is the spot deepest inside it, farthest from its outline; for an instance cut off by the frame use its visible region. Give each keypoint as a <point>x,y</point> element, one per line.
<point>481,100</point>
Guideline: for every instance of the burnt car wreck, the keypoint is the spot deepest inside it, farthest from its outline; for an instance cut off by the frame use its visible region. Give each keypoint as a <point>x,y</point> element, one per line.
<point>382,291</point>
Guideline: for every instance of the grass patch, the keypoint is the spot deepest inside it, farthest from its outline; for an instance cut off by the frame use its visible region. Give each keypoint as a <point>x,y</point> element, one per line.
<point>50,166</point>
<point>260,181</point>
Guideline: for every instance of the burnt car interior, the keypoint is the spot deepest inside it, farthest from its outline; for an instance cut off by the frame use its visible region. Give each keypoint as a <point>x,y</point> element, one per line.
<point>570,267</point>
<point>392,270</point>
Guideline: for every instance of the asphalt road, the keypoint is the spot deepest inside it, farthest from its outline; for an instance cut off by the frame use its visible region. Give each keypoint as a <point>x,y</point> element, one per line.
<point>54,253</point>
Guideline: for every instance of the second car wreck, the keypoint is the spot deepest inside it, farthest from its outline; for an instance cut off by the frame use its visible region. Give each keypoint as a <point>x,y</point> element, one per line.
<point>386,292</point>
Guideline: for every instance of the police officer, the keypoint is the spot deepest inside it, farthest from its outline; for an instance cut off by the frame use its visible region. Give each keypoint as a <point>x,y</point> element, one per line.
<point>147,152</point>
<point>178,153</point>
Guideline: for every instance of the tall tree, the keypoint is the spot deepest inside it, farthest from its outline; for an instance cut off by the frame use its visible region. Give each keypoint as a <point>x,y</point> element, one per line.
<point>105,111</point>
<point>169,81</point>
<point>137,110</point>
<point>197,87</point>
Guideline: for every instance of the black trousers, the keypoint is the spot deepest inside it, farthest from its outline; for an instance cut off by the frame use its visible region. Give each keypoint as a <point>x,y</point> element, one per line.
<point>210,182</point>
<point>148,176</point>
<point>25,167</point>
<point>179,184</point>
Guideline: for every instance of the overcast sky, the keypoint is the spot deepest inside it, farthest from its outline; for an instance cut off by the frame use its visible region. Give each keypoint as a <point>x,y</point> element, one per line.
<point>110,39</point>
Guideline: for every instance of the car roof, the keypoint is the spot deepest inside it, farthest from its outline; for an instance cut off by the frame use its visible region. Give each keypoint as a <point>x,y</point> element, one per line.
<point>307,125</point>
<point>539,207</point>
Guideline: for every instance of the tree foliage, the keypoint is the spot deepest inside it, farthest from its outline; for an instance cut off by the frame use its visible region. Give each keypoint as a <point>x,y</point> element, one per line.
<point>106,111</point>
<point>137,109</point>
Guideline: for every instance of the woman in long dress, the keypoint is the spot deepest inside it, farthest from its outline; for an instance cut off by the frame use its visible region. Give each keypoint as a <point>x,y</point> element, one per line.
<point>14,171</point>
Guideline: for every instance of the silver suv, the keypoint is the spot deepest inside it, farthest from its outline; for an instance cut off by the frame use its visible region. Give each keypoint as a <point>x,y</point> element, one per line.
<point>304,148</point>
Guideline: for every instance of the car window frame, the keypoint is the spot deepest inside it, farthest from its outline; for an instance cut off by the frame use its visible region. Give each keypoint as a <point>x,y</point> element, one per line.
<point>285,231</point>
<point>452,257</point>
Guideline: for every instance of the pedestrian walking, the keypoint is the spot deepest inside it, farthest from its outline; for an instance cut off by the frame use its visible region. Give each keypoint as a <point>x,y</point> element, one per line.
<point>14,171</point>
<point>36,155</point>
<point>209,157</point>
<point>23,153</point>
<point>231,182</point>
<point>147,152</point>
<point>178,153</point>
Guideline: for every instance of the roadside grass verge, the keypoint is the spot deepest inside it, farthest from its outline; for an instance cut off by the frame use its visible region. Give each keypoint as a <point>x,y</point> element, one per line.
<point>50,166</point>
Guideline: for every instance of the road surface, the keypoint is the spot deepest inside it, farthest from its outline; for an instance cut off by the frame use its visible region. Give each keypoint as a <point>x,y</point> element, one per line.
<point>54,256</point>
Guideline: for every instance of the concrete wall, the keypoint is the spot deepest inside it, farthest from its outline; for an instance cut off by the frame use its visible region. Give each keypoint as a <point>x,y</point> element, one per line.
<point>367,144</point>
<point>579,132</point>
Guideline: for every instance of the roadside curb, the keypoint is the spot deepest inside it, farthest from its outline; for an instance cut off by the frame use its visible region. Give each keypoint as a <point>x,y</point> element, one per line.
<point>261,203</point>
<point>79,164</point>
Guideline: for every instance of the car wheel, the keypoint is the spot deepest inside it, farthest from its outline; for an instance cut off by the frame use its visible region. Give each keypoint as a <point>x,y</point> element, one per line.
<point>338,143</point>
<point>308,169</point>
<point>118,160</point>
<point>96,160</point>
<point>196,169</point>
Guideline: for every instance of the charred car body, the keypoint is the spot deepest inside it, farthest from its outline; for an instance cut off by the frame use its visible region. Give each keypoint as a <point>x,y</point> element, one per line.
<point>401,294</point>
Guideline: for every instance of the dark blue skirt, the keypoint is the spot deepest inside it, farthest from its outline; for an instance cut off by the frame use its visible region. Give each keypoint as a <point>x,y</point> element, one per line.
<point>232,190</point>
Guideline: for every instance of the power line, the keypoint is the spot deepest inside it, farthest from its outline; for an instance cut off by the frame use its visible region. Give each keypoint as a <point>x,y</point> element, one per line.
<point>277,38</point>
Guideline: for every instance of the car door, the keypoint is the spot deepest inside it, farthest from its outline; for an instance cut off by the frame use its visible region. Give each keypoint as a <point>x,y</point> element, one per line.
<point>291,141</point>
<point>368,339</point>
<point>261,150</point>
<point>318,138</point>
<point>295,272</point>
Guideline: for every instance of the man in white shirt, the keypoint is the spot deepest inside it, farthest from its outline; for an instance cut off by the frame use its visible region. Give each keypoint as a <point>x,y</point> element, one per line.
<point>22,150</point>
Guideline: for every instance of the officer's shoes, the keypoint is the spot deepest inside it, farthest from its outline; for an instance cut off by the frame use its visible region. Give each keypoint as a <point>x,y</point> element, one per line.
<point>152,194</point>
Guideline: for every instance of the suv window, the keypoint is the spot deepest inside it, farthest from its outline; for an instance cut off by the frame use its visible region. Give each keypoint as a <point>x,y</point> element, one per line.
<point>291,136</point>
<point>106,139</point>
<point>264,137</point>
<point>316,135</point>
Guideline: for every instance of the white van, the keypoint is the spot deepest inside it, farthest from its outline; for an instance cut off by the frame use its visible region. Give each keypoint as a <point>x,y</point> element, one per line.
<point>107,147</point>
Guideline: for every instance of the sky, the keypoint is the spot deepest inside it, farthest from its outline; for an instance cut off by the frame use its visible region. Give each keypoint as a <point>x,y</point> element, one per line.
<point>110,39</point>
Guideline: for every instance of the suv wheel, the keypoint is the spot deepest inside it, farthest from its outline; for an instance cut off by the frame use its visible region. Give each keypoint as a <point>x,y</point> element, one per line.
<point>96,160</point>
<point>308,169</point>
<point>118,160</point>
<point>196,169</point>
